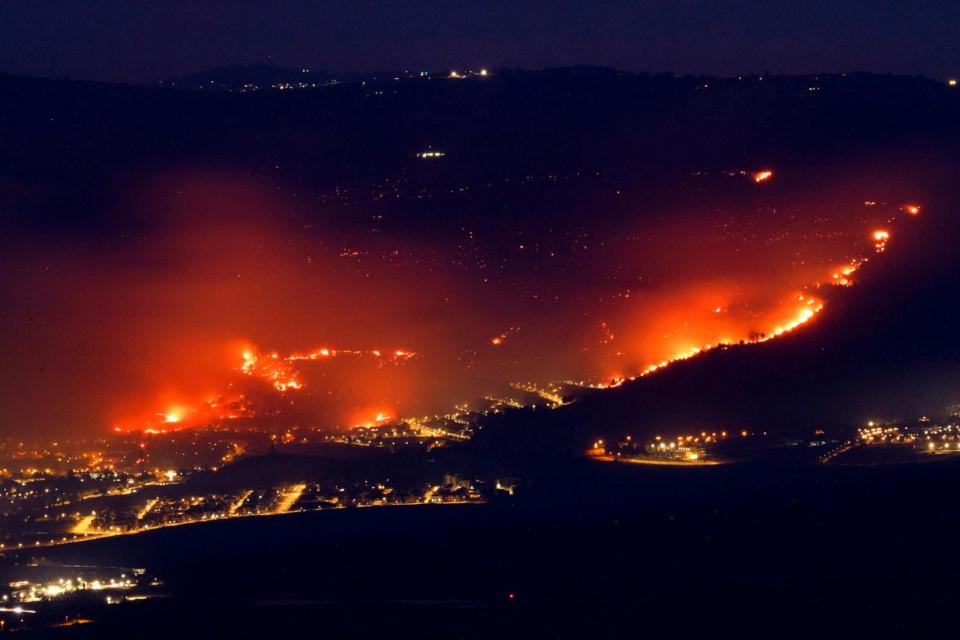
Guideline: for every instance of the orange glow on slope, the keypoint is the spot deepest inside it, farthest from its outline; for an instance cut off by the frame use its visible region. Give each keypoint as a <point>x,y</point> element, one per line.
<point>762,176</point>
<point>275,370</point>
<point>843,276</point>
<point>699,301</point>
<point>280,372</point>
<point>807,309</point>
<point>372,418</point>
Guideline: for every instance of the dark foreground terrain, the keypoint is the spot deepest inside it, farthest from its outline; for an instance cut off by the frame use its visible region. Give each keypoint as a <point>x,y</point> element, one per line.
<point>779,548</point>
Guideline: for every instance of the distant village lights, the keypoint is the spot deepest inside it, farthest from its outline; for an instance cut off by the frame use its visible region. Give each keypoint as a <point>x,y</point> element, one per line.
<point>459,75</point>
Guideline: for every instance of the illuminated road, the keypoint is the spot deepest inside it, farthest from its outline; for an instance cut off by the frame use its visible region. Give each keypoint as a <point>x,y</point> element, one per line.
<point>82,528</point>
<point>828,458</point>
<point>84,524</point>
<point>290,498</point>
<point>659,462</point>
<point>146,508</point>
<point>239,502</point>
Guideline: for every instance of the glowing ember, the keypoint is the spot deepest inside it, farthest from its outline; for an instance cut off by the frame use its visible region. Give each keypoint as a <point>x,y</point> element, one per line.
<point>502,337</point>
<point>911,209</point>
<point>842,277</point>
<point>762,176</point>
<point>880,238</point>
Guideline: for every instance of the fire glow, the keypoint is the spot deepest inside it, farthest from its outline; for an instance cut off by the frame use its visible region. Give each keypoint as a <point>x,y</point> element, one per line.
<point>810,307</point>
<point>626,304</point>
<point>281,373</point>
<point>880,239</point>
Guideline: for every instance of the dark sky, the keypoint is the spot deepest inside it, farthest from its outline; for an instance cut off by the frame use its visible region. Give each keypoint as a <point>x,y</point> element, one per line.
<point>145,40</point>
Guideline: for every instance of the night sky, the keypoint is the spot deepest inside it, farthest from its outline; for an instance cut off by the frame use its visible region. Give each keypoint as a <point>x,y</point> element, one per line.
<point>143,41</point>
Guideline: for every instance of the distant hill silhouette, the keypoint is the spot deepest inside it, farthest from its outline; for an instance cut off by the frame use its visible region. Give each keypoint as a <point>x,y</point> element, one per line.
<point>515,121</point>
<point>248,76</point>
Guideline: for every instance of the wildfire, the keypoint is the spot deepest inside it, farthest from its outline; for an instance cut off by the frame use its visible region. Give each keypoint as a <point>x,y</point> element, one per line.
<point>282,374</point>
<point>842,277</point>
<point>276,370</point>
<point>810,306</point>
<point>911,209</point>
<point>715,314</point>
<point>880,238</point>
<point>809,309</point>
<point>380,419</point>
<point>501,338</point>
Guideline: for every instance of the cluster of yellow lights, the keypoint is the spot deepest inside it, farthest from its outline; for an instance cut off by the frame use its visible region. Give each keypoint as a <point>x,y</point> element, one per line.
<point>35,592</point>
<point>457,74</point>
<point>874,433</point>
<point>703,437</point>
<point>762,176</point>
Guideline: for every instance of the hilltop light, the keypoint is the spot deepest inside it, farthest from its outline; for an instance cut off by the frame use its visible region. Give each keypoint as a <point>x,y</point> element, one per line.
<point>483,72</point>
<point>952,82</point>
